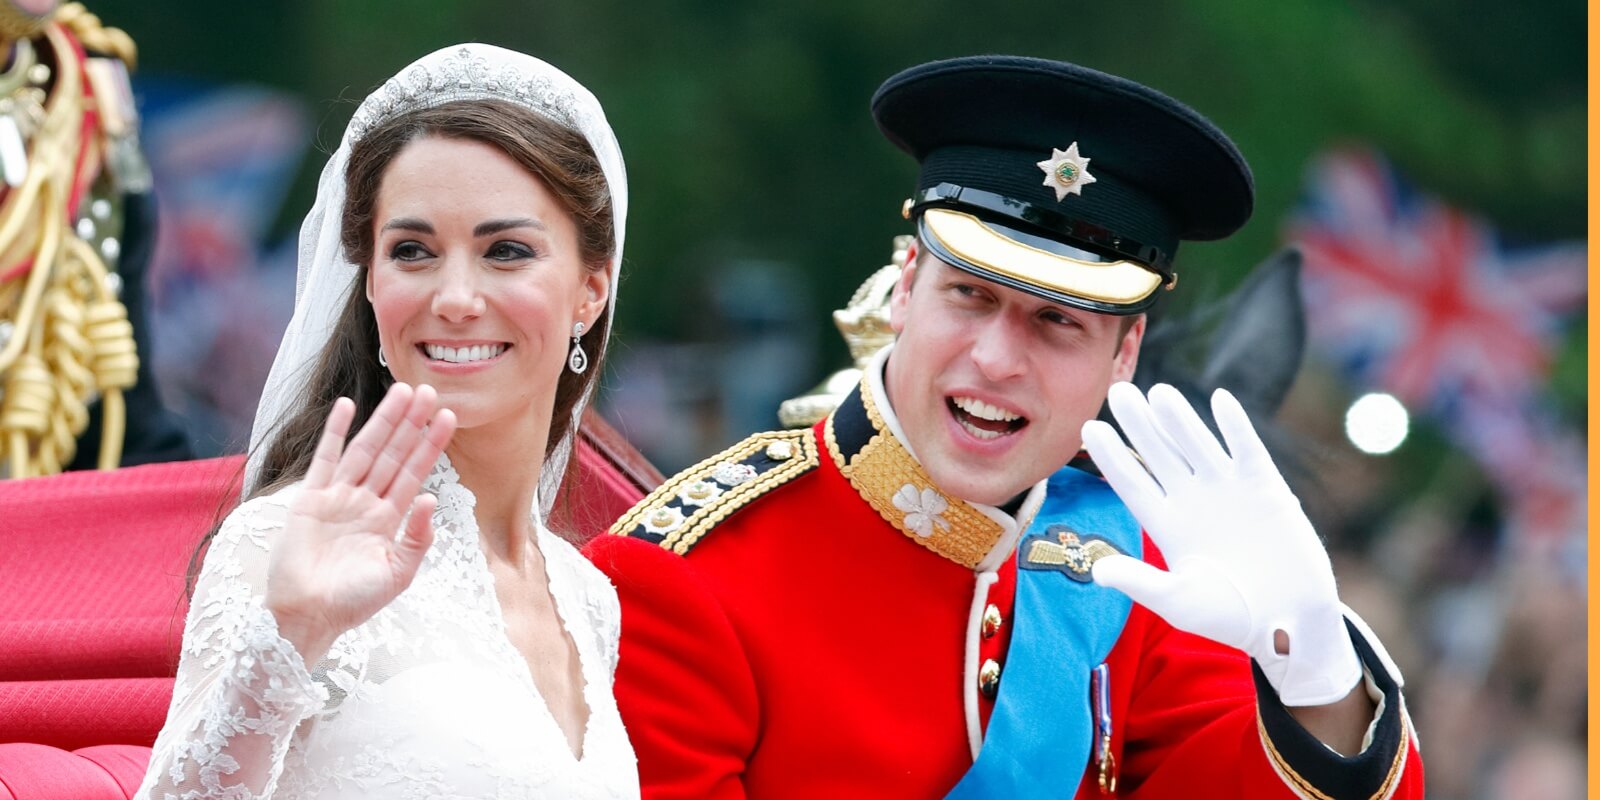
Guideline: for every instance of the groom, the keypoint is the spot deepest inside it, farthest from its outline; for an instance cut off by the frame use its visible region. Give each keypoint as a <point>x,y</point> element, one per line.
<point>913,599</point>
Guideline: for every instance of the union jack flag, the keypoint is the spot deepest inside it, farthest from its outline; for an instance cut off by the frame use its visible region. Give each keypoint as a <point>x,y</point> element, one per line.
<point>1410,296</point>
<point>1422,300</point>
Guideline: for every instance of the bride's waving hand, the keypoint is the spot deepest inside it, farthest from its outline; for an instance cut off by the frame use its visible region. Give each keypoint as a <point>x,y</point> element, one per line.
<point>338,560</point>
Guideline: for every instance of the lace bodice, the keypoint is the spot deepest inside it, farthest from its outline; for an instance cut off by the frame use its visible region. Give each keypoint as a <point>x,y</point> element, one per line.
<point>427,699</point>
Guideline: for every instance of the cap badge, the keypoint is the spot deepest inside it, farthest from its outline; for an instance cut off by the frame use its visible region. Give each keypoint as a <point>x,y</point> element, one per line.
<point>1066,171</point>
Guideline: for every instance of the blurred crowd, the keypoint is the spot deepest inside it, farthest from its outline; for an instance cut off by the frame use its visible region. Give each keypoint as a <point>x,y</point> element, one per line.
<point>1489,630</point>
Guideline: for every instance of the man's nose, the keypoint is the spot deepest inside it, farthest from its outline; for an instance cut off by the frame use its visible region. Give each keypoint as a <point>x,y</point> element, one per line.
<point>998,349</point>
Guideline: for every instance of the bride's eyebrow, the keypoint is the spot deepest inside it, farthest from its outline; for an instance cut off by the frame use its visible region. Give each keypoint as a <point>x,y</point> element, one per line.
<point>408,224</point>
<point>498,225</point>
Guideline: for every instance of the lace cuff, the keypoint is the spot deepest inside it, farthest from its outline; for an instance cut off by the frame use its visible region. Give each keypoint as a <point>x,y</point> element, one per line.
<point>272,672</point>
<point>235,730</point>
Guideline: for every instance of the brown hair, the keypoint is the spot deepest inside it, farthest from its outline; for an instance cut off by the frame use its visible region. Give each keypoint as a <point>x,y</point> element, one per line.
<point>347,366</point>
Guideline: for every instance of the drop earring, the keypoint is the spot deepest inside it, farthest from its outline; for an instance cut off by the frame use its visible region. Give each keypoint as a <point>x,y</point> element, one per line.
<point>578,362</point>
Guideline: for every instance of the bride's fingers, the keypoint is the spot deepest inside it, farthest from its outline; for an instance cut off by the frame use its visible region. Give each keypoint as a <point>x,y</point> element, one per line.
<point>422,458</point>
<point>326,457</point>
<point>368,442</point>
<point>407,432</point>
<point>406,555</point>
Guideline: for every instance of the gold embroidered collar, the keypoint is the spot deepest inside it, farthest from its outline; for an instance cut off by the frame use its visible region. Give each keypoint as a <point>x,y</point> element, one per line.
<point>866,450</point>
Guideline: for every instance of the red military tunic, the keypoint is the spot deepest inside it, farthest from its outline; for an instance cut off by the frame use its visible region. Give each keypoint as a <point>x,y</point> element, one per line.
<point>792,628</point>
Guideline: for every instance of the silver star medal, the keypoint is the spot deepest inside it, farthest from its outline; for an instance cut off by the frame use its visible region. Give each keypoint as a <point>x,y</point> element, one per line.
<point>1066,172</point>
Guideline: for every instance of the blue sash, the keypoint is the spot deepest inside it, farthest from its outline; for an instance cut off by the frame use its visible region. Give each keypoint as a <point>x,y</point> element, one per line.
<point>1041,732</point>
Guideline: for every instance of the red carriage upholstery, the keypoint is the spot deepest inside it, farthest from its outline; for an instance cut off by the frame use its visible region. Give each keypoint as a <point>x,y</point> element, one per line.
<point>92,604</point>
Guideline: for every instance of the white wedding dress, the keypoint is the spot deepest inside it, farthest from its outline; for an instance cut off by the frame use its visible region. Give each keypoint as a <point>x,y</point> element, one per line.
<point>427,699</point>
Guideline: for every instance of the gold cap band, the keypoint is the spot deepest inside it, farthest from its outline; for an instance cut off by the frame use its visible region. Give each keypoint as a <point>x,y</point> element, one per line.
<point>969,239</point>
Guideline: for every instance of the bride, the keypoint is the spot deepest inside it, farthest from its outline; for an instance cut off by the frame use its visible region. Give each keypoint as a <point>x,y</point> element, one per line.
<point>387,614</point>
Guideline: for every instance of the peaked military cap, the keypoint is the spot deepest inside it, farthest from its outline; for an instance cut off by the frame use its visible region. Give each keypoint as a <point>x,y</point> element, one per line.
<point>1058,180</point>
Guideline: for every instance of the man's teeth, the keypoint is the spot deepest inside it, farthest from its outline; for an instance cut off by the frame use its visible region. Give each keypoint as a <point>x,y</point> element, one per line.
<point>463,355</point>
<point>982,410</point>
<point>979,432</point>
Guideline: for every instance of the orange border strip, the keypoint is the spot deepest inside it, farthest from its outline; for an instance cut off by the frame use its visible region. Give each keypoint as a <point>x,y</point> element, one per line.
<point>1594,338</point>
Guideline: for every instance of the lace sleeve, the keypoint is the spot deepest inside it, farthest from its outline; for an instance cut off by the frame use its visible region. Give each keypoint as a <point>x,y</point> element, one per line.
<point>604,612</point>
<point>241,689</point>
<point>609,624</point>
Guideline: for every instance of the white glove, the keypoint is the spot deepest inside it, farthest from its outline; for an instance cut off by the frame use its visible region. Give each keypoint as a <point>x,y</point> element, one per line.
<point>1242,559</point>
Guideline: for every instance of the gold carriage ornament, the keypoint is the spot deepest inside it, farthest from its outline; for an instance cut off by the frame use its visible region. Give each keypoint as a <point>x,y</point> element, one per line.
<point>864,324</point>
<point>68,153</point>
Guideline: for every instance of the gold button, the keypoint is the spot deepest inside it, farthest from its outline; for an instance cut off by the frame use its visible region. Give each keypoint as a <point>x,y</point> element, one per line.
<point>780,451</point>
<point>991,621</point>
<point>989,678</point>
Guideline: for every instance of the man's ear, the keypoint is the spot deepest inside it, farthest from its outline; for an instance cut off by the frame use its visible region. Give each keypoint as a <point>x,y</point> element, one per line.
<point>1126,360</point>
<point>902,292</point>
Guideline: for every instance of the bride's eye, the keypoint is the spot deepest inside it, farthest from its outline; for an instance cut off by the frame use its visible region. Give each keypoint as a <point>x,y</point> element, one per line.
<point>408,251</point>
<point>509,251</point>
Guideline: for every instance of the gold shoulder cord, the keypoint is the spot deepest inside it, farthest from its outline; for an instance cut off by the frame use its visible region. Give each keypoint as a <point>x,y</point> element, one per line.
<point>86,28</point>
<point>64,335</point>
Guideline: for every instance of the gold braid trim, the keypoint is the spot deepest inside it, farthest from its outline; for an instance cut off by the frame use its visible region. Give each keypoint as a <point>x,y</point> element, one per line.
<point>1304,788</point>
<point>87,28</point>
<point>70,337</point>
<point>700,519</point>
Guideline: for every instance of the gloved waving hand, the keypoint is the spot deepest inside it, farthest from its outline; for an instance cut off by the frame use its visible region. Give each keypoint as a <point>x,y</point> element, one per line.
<point>1243,562</point>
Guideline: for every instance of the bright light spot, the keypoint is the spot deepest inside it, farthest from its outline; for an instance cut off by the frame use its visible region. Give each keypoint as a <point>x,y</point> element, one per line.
<point>1377,423</point>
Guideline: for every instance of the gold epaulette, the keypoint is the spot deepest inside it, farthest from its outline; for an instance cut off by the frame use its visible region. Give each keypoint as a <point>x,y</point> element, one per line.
<point>681,511</point>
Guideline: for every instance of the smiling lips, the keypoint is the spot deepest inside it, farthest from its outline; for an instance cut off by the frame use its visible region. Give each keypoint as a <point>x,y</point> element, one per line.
<point>463,355</point>
<point>982,420</point>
